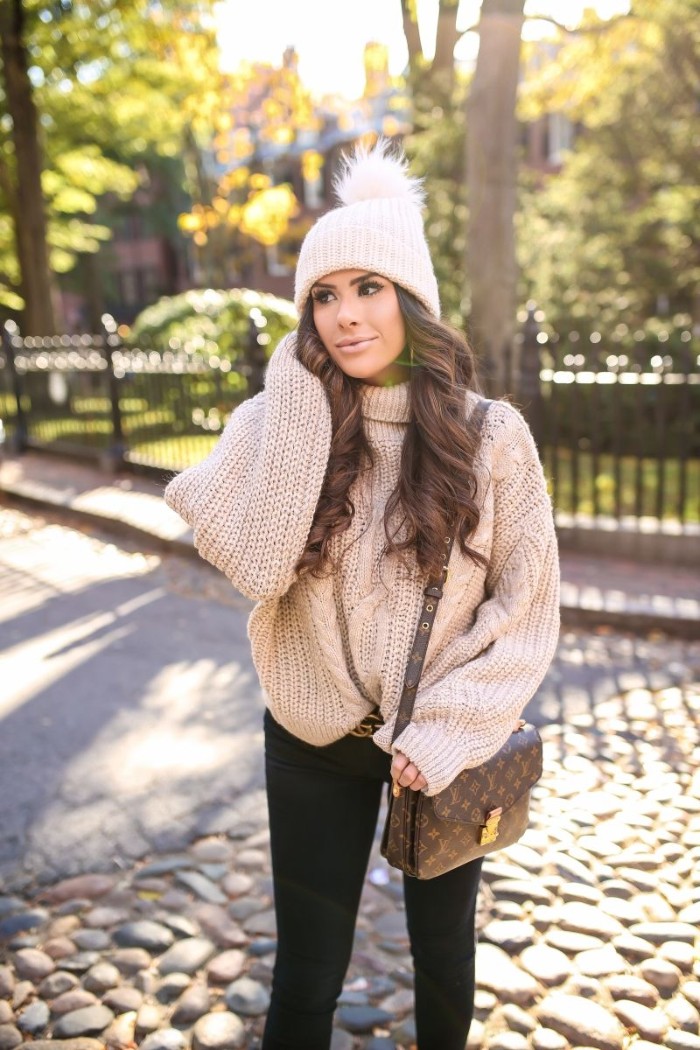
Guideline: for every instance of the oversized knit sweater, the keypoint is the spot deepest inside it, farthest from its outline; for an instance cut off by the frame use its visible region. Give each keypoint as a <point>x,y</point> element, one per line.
<point>329,650</point>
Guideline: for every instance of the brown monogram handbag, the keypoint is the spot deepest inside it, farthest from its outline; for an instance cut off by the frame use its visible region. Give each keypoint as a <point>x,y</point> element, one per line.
<point>483,809</point>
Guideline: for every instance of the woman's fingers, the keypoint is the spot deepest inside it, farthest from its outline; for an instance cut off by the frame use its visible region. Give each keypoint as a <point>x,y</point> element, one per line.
<point>405,773</point>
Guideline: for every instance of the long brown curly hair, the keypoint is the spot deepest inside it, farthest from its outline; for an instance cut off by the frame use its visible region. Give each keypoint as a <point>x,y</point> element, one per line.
<point>436,490</point>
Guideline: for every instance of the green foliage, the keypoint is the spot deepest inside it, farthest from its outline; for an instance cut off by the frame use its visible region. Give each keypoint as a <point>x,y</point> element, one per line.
<point>615,236</point>
<point>437,154</point>
<point>8,264</point>
<point>206,320</point>
<point>116,84</point>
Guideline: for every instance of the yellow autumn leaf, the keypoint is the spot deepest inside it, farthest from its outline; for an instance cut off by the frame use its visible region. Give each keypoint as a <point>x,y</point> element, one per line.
<point>189,223</point>
<point>265,217</point>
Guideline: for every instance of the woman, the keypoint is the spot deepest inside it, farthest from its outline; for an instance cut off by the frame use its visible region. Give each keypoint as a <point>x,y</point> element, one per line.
<point>328,500</point>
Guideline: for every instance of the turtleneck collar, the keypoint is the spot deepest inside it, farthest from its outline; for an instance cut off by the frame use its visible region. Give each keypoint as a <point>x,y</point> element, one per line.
<point>388,404</point>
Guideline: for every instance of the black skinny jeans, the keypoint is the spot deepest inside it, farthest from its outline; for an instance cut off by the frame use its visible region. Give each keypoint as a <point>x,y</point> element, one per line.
<point>323,804</point>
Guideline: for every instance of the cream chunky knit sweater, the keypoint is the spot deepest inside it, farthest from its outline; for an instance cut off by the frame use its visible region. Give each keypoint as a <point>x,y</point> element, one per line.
<point>327,651</point>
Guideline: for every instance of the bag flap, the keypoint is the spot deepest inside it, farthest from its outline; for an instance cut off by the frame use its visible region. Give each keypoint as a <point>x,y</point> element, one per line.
<point>497,783</point>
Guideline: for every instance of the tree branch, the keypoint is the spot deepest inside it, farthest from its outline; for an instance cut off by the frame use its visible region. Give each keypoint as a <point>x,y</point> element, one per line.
<point>447,36</point>
<point>410,28</point>
<point>600,28</point>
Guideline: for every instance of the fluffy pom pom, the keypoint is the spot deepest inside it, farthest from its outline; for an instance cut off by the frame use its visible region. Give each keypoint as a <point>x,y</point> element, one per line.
<point>377,173</point>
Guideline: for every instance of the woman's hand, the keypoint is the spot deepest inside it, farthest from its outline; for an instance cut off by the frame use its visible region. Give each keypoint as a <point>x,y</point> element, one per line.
<point>404,772</point>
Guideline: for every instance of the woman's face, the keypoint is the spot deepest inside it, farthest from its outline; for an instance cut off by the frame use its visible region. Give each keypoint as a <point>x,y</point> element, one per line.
<point>359,322</point>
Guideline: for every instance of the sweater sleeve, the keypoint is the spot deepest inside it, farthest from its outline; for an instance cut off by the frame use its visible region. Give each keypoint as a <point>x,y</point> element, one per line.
<point>477,688</point>
<point>251,502</point>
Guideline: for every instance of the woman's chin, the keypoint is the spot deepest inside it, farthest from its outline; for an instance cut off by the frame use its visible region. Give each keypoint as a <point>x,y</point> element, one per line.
<point>364,371</point>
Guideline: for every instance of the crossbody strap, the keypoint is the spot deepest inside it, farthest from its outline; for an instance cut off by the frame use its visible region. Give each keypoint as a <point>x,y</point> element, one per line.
<point>432,595</point>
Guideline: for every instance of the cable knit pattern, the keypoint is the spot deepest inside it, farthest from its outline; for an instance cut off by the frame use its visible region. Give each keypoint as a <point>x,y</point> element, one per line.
<point>327,650</point>
<point>251,503</point>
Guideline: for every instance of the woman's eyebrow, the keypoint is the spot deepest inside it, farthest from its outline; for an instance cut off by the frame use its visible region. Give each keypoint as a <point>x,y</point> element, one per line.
<point>355,280</point>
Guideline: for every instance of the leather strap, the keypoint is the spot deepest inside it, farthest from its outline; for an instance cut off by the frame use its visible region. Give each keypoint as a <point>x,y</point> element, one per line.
<point>433,594</point>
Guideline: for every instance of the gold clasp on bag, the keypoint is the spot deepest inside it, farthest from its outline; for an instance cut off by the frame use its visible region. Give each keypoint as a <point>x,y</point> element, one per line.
<point>489,831</point>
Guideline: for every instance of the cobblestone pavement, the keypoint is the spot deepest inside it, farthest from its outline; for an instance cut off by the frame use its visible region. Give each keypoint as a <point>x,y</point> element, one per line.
<point>589,926</point>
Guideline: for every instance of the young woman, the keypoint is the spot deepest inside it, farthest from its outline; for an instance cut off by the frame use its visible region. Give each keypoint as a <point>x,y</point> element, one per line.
<point>328,500</point>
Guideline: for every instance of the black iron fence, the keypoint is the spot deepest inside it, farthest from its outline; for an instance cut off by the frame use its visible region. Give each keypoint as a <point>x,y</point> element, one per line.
<point>617,417</point>
<point>89,395</point>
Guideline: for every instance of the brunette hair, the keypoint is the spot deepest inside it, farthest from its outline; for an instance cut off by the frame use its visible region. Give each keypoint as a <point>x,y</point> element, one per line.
<point>436,491</point>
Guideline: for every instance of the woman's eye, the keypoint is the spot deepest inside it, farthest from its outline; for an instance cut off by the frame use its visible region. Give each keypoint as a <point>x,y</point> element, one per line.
<point>371,288</point>
<point>321,297</point>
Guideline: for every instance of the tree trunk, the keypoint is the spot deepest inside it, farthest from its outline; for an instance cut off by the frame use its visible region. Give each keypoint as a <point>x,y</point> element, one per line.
<point>434,81</point>
<point>30,224</point>
<point>492,179</point>
<point>410,29</point>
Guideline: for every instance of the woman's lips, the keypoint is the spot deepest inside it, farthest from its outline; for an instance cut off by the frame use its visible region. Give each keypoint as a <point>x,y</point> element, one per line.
<point>355,347</point>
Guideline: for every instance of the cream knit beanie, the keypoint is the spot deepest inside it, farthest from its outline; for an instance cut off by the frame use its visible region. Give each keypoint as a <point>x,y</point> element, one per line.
<point>378,227</point>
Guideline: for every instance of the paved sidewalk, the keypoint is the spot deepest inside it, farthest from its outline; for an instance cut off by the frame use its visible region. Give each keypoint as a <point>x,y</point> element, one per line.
<point>588,926</point>
<point>595,590</point>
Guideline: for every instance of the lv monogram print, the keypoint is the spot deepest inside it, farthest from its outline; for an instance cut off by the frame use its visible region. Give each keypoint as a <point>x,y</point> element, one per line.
<point>498,782</point>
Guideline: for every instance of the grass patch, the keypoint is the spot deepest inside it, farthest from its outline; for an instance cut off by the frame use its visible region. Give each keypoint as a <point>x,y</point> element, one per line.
<point>78,431</point>
<point>173,453</point>
<point>593,493</point>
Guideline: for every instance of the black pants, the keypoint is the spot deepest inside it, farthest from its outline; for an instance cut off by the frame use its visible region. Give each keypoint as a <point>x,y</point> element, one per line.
<point>323,804</point>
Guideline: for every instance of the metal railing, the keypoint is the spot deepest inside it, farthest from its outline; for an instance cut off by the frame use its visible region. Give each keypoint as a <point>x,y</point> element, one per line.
<point>616,418</point>
<point>90,395</point>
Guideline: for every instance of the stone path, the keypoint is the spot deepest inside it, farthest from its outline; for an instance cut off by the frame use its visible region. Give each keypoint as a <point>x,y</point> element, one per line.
<point>589,926</point>
<point>130,713</point>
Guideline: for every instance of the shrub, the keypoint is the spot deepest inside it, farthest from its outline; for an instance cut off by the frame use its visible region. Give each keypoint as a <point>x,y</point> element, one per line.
<point>211,321</point>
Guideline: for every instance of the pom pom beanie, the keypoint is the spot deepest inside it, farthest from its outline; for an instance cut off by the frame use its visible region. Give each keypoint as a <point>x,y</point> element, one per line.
<point>377,227</point>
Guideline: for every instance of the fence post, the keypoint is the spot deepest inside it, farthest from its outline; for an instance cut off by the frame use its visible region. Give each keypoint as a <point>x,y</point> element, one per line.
<point>10,331</point>
<point>530,392</point>
<point>113,458</point>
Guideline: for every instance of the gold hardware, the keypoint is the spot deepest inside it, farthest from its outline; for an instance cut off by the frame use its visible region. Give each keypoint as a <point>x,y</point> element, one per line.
<point>429,608</point>
<point>396,789</point>
<point>489,831</point>
<point>361,730</point>
<point>368,726</point>
<point>425,625</point>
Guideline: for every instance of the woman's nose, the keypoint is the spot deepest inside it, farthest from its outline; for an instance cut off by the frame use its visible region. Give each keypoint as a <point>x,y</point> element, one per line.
<point>347,312</point>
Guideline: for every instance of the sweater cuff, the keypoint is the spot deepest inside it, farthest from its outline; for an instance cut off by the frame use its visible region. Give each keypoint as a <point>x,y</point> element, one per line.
<point>440,755</point>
